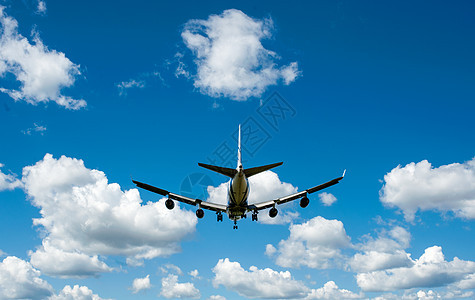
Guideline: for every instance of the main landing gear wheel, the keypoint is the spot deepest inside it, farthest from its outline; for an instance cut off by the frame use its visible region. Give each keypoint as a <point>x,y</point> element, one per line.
<point>219,216</point>
<point>254,216</point>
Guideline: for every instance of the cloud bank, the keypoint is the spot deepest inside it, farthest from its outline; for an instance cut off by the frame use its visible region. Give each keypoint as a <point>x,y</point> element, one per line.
<point>83,217</point>
<point>230,58</point>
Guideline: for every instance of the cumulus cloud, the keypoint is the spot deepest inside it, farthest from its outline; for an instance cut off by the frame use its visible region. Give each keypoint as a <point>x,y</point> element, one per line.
<point>84,217</point>
<point>8,181</point>
<point>419,186</point>
<point>194,274</point>
<point>385,252</point>
<point>467,283</point>
<point>41,72</point>
<point>75,293</point>
<point>171,288</point>
<point>314,244</point>
<point>58,262</point>
<point>141,284</point>
<point>426,295</point>
<point>430,270</point>
<point>231,60</point>
<point>257,283</point>
<point>19,280</point>
<point>331,291</point>
<point>327,199</point>
<point>263,186</point>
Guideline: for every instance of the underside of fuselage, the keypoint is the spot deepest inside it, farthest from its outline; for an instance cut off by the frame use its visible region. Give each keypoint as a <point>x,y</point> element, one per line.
<point>238,192</point>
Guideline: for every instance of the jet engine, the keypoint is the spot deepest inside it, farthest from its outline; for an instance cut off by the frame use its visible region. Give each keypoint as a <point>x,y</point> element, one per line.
<point>200,213</point>
<point>304,202</point>
<point>273,212</point>
<point>169,204</point>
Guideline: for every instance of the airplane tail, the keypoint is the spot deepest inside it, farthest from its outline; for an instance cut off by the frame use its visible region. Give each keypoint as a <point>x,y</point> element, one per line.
<point>231,172</point>
<point>239,164</point>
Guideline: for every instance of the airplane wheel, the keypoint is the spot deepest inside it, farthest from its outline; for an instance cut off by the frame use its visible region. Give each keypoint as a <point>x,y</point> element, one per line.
<point>200,213</point>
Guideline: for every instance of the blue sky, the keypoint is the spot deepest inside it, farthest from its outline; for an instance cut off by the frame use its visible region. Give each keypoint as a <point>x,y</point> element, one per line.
<point>94,94</point>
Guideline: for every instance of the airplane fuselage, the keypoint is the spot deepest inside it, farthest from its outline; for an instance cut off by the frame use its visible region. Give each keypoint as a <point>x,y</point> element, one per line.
<point>238,192</point>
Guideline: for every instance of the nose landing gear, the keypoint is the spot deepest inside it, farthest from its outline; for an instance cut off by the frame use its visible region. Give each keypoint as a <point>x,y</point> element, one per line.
<point>235,224</point>
<point>219,216</point>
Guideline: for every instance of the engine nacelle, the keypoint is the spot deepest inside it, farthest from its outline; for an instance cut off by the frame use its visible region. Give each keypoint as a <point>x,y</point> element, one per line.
<point>273,212</point>
<point>200,213</point>
<point>304,202</point>
<point>169,204</point>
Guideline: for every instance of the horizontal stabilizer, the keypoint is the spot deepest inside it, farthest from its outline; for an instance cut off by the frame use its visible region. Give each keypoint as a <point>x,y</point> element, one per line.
<point>256,170</point>
<point>221,170</point>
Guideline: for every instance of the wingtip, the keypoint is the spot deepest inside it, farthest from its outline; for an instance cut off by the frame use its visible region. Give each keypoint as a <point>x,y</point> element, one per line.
<point>344,172</point>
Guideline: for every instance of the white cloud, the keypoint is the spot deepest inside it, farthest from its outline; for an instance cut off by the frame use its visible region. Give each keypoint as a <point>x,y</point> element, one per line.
<point>41,8</point>
<point>419,186</point>
<point>83,217</point>
<point>19,280</point>
<point>141,284</point>
<point>231,60</point>
<point>315,244</point>
<point>171,288</point>
<point>263,187</point>
<point>216,297</point>
<point>385,252</point>
<point>425,295</point>
<point>327,199</point>
<point>57,262</point>
<point>467,283</point>
<point>194,273</point>
<point>171,268</point>
<point>132,83</point>
<point>36,128</point>
<point>41,72</point>
<point>8,181</point>
<point>430,270</point>
<point>257,283</point>
<point>331,291</point>
<point>75,293</point>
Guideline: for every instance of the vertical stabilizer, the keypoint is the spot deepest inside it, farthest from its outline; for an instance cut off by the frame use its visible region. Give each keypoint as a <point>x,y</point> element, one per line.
<point>239,164</point>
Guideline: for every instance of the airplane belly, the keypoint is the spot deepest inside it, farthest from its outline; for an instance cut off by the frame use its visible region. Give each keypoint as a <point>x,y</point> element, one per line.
<point>237,194</point>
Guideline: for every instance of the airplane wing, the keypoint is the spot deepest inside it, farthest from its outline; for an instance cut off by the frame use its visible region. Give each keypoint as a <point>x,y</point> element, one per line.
<point>187,200</point>
<point>298,195</point>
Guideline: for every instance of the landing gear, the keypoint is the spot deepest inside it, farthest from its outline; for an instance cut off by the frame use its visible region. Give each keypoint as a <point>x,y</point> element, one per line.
<point>235,225</point>
<point>273,212</point>
<point>219,216</point>
<point>200,213</point>
<point>254,216</point>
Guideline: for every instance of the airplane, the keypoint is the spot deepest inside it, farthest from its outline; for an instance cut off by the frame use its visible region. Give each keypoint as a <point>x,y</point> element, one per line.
<point>238,192</point>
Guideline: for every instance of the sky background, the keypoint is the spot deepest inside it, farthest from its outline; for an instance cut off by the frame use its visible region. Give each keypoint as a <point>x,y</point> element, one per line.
<point>93,94</point>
